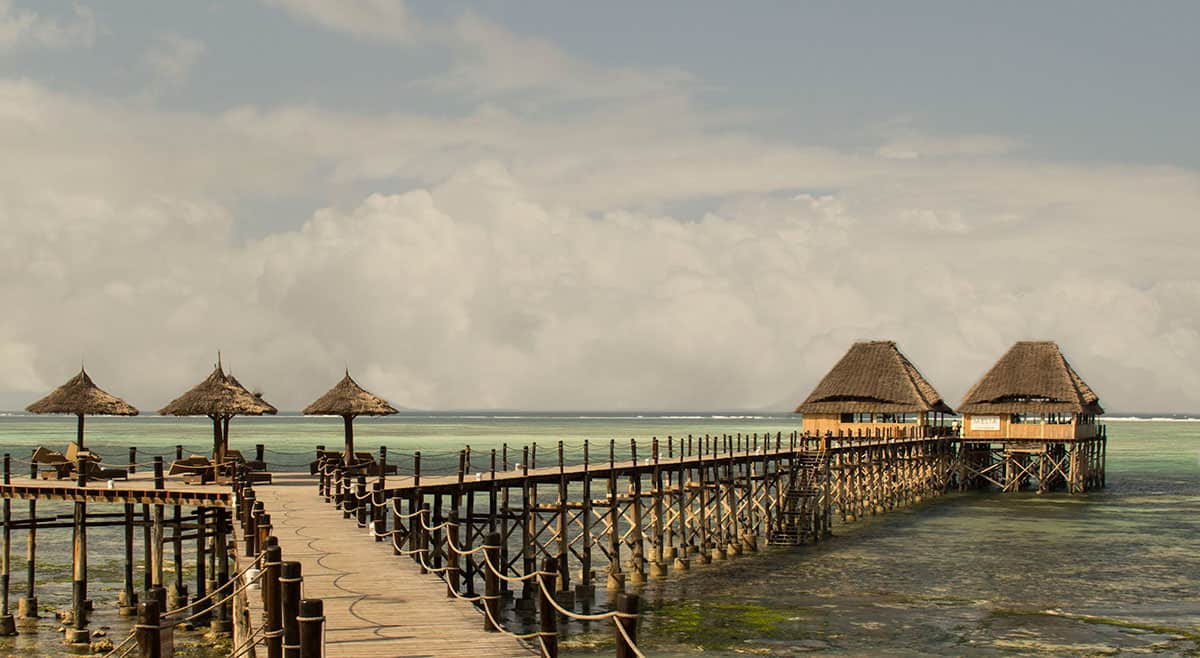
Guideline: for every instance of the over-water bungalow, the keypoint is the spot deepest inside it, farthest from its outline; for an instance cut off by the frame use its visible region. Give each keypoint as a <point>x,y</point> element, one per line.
<point>873,389</point>
<point>1031,393</point>
<point>1031,422</point>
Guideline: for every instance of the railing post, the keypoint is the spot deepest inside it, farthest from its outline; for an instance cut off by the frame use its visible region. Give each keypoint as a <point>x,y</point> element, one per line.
<point>491,583</point>
<point>360,499</point>
<point>453,579</point>
<point>273,626</point>
<point>378,519</point>
<point>627,604</point>
<point>149,633</point>
<point>290,582</point>
<point>546,612</point>
<point>423,538</point>
<point>312,628</point>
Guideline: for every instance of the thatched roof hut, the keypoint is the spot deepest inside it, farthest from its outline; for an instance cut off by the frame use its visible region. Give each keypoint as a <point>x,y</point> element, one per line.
<point>1033,377</point>
<point>349,400</point>
<point>873,376</point>
<point>80,396</point>
<point>873,382</point>
<point>220,397</point>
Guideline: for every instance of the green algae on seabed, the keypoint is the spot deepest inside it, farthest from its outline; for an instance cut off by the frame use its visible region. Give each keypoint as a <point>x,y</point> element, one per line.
<point>706,625</point>
<point>712,625</point>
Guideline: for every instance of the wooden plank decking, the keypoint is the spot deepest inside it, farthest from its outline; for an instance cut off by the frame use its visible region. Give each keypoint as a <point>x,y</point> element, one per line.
<point>376,604</point>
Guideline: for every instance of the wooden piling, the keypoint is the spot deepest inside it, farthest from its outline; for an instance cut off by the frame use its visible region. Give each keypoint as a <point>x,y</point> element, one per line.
<point>627,605</point>
<point>290,584</point>
<point>312,628</point>
<point>27,606</point>
<point>77,633</point>
<point>547,615</point>
<point>8,625</point>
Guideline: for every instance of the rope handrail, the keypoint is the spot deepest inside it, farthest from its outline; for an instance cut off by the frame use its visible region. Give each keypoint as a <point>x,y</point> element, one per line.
<point>232,579</point>
<point>629,641</point>
<point>251,640</point>
<point>128,638</point>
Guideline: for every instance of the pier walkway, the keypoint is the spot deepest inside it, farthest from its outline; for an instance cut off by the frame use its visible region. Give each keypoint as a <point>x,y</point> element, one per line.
<point>375,604</point>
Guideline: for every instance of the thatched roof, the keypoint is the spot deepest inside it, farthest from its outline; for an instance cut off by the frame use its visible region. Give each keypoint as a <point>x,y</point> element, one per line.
<point>1032,377</point>
<point>347,398</point>
<point>873,377</point>
<point>218,395</point>
<point>80,395</point>
<point>267,407</point>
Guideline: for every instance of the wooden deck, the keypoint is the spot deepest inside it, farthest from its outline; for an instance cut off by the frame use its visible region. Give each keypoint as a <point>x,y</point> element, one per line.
<point>376,604</point>
<point>138,489</point>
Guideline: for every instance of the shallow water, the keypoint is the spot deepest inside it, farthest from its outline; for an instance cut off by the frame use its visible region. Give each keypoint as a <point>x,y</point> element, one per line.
<point>1112,572</point>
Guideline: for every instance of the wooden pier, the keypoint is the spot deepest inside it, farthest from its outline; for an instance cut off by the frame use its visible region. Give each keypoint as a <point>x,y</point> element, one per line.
<point>495,554</point>
<point>374,604</point>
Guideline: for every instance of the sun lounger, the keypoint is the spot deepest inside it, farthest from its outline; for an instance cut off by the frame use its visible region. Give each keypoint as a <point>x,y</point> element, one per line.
<point>365,463</point>
<point>52,464</point>
<point>60,467</point>
<point>195,469</point>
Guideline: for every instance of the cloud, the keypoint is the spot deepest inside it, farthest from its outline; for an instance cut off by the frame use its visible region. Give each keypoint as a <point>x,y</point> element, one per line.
<point>489,59</point>
<point>384,20</point>
<point>25,28</point>
<point>171,57</point>
<point>504,261</point>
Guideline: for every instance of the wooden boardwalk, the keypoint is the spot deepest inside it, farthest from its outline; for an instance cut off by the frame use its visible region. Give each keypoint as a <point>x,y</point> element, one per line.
<point>376,604</point>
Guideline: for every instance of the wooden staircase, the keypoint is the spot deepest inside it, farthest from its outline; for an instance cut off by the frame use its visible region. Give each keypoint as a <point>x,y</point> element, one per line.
<point>799,520</point>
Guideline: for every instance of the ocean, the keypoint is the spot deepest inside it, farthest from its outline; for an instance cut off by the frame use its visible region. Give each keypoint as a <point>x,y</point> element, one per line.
<point>1112,572</point>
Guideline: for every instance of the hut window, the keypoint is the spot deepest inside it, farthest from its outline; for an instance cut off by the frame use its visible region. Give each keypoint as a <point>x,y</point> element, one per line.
<point>1027,419</point>
<point>1058,419</point>
<point>856,418</point>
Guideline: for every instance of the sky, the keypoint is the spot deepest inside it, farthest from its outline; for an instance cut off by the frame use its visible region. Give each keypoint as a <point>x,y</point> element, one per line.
<point>595,206</point>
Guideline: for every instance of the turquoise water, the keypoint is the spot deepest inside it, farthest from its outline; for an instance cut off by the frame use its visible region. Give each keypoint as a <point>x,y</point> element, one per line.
<point>1112,572</point>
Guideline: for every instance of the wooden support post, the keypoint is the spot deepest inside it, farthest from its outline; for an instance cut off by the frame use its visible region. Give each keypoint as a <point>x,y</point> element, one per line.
<point>147,550</point>
<point>616,579</point>
<point>27,606</point>
<point>8,625</point>
<point>547,615</point>
<point>658,566</point>
<point>628,605</point>
<point>149,633</point>
<point>77,633</point>
<point>312,628</point>
<point>127,600</point>
<point>637,574</point>
<point>564,580</point>
<point>528,519</point>
<point>222,621</point>
<point>200,602</point>
<point>272,605</point>
<point>290,584</point>
<point>586,589</point>
<point>159,484</point>
<point>178,594</point>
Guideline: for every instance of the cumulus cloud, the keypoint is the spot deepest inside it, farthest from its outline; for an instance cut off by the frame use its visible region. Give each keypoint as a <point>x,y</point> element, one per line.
<point>541,263</point>
<point>25,28</point>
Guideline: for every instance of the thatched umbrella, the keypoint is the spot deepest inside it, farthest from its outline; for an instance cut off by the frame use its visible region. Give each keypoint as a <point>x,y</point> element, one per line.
<point>347,399</point>
<point>80,396</point>
<point>220,397</point>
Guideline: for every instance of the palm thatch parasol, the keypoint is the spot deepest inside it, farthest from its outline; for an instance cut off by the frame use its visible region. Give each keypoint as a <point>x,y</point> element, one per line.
<point>347,399</point>
<point>80,396</point>
<point>220,397</point>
